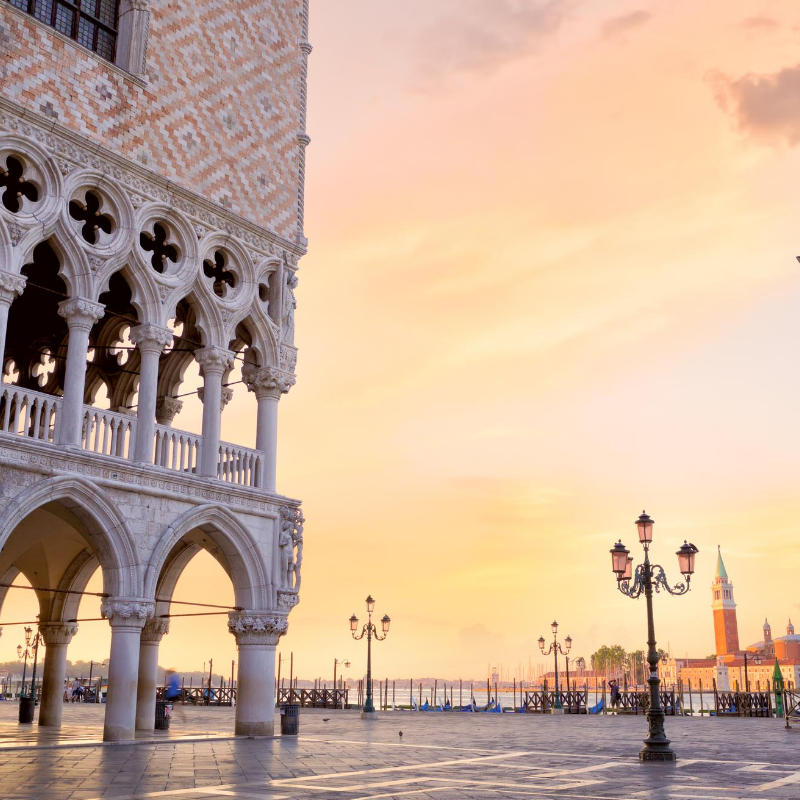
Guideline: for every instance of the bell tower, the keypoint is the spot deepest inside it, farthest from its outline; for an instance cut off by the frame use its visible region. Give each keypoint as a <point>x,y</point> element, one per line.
<point>726,629</point>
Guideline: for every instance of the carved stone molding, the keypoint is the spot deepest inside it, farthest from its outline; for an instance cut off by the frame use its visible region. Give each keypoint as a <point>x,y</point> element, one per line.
<point>267,381</point>
<point>214,359</point>
<point>10,286</point>
<point>15,232</point>
<point>257,628</point>
<point>151,337</point>
<point>288,358</point>
<point>287,600</point>
<point>155,629</point>
<point>80,312</point>
<point>226,395</point>
<point>126,613</point>
<point>58,633</point>
<point>167,408</point>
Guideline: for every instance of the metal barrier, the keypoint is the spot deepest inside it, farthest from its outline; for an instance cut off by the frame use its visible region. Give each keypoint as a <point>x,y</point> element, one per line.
<point>315,698</point>
<point>743,704</point>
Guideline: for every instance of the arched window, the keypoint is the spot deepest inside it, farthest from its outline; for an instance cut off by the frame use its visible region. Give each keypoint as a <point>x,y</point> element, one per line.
<point>92,23</point>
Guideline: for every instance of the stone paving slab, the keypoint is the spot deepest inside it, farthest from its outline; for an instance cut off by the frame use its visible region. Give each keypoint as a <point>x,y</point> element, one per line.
<point>439,756</point>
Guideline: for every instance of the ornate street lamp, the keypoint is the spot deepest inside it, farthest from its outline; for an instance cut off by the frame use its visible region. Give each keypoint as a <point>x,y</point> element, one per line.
<point>27,704</point>
<point>369,630</point>
<point>556,648</point>
<point>646,578</point>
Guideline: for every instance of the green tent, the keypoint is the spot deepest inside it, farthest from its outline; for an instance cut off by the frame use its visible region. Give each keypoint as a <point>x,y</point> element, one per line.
<point>777,682</point>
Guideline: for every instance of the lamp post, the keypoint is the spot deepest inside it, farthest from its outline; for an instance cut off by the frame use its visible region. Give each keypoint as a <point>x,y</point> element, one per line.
<point>336,661</point>
<point>346,664</point>
<point>556,648</point>
<point>23,655</point>
<point>757,661</point>
<point>27,704</point>
<point>647,578</point>
<point>369,630</point>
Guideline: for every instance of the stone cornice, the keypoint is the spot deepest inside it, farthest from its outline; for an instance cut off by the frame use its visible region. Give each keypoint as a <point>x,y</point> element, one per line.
<point>67,145</point>
<point>109,472</point>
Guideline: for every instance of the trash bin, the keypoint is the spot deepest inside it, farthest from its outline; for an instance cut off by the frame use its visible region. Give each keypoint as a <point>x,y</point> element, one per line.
<point>290,719</point>
<point>26,706</point>
<point>163,711</point>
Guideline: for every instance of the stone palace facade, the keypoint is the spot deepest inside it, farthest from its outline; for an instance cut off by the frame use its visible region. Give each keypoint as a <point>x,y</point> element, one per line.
<point>152,160</point>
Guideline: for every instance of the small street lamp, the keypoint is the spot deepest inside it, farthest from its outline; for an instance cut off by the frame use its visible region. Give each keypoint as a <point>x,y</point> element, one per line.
<point>336,661</point>
<point>369,630</point>
<point>756,659</point>
<point>556,648</point>
<point>646,578</point>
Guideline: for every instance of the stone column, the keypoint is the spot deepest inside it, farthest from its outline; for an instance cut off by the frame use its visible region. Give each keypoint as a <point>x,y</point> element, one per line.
<point>151,341</point>
<point>10,287</point>
<point>268,384</point>
<point>152,633</point>
<point>80,315</point>
<point>57,637</point>
<point>214,361</point>
<point>133,26</point>
<point>256,634</point>
<point>127,618</point>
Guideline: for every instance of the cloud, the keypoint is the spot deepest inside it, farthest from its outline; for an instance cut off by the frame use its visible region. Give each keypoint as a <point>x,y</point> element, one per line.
<point>479,36</point>
<point>615,27</point>
<point>760,24</point>
<point>765,106</point>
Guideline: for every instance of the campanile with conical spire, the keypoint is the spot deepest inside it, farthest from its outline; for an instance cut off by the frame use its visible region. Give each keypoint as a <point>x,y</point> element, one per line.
<point>726,628</point>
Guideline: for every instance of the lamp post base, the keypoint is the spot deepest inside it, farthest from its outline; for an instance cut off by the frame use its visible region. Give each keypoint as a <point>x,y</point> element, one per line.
<point>369,715</point>
<point>662,755</point>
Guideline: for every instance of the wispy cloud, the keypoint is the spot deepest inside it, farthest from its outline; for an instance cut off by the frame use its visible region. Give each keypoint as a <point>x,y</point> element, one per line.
<point>765,106</point>
<point>760,24</point>
<point>615,27</point>
<point>479,36</point>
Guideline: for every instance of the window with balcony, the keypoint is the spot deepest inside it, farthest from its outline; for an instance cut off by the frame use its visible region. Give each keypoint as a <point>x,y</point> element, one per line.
<point>92,23</point>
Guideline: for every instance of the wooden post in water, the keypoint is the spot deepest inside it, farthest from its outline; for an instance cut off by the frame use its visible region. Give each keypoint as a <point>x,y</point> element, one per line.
<point>691,707</point>
<point>393,687</point>
<point>435,691</point>
<point>460,693</point>
<point>515,694</point>
<point>700,682</point>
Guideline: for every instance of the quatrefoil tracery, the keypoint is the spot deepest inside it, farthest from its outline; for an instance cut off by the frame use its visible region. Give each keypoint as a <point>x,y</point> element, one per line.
<point>221,277</point>
<point>15,186</point>
<point>159,245</point>
<point>92,218</point>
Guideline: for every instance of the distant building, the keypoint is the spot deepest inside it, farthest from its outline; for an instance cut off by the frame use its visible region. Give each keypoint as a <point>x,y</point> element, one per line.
<point>727,670</point>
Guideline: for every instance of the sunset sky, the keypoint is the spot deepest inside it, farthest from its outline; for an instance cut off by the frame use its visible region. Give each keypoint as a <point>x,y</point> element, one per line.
<point>551,282</point>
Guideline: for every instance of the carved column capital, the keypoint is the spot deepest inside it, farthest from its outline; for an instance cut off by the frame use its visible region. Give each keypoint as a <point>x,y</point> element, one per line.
<point>128,613</point>
<point>214,359</point>
<point>267,381</point>
<point>154,629</point>
<point>10,286</point>
<point>151,338</point>
<point>167,408</point>
<point>226,395</point>
<point>80,312</point>
<point>256,627</point>
<point>58,632</point>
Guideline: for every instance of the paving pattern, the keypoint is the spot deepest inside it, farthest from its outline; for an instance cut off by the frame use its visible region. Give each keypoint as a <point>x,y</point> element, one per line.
<point>442,757</point>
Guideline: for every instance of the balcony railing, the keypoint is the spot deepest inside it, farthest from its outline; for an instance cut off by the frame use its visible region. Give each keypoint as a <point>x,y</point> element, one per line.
<point>27,413</point>
<point>35,415</point>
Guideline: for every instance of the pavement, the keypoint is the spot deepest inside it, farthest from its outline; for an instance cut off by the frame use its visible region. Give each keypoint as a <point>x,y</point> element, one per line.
<point>439,756</point>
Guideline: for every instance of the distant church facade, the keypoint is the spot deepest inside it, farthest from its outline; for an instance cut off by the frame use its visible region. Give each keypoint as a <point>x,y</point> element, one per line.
<point>728,668</point>
<point>152,165</point>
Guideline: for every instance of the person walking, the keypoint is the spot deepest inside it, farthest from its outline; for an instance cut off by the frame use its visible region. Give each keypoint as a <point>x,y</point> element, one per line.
<point>77,691</point>
<point>173,694</point>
